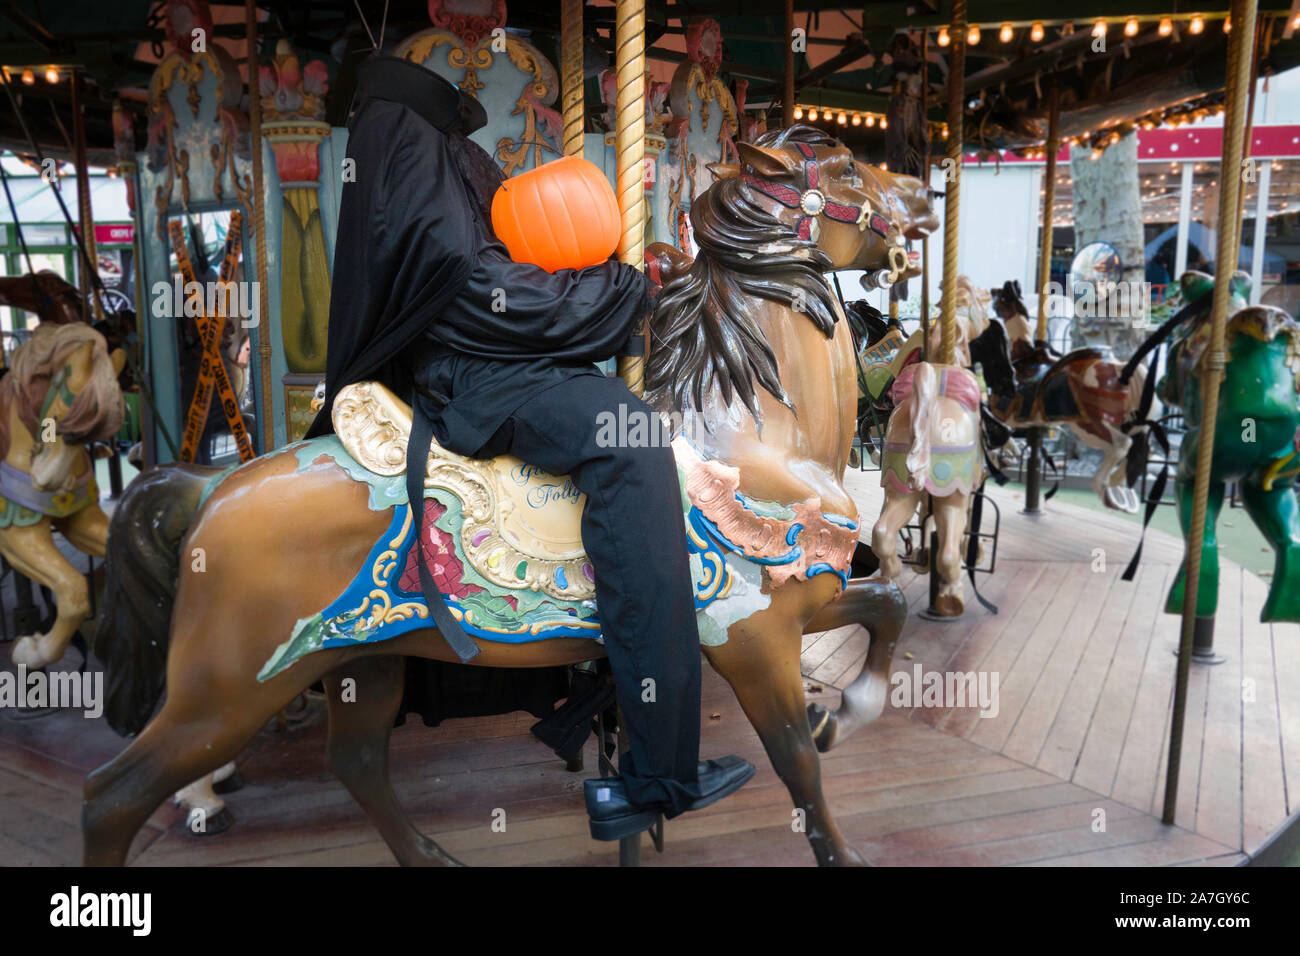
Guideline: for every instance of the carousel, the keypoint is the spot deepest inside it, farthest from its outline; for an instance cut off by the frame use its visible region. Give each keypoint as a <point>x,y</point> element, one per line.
<point>967,340</point>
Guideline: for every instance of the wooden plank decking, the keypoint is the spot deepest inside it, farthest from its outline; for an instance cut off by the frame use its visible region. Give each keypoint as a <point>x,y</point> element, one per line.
<point>1085,669</point>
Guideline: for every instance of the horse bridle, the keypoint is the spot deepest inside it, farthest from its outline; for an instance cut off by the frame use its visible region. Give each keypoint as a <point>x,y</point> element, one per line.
<point>812,202</point>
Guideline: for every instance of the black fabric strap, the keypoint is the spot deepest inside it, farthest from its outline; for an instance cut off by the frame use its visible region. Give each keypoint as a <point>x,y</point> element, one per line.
<point>1153,500</point>
<point>417,457</point>
<point>973,546</point>
<point>1192,310</point>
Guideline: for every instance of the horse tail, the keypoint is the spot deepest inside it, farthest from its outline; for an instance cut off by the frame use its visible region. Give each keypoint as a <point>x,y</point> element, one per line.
<point>142,564</point>
<point>925,409</point>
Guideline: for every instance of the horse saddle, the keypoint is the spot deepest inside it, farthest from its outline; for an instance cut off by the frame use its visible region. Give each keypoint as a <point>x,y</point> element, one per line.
<point>502,541</point>
<point>1042,381</point>
<point>521,525</point>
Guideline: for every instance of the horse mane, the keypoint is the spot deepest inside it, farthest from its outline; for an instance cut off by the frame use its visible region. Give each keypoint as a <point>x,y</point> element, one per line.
<point>97,410</point>
<point>702,328</point>
<point>1011,296</point>
<point>992,350</point>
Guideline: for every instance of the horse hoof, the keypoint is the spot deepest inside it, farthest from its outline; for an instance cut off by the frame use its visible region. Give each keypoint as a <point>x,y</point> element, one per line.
<point>229,785</point>
<point>949,605</point>
<point>208,826</point>
<point>27,653</point>
<point>822,723</point>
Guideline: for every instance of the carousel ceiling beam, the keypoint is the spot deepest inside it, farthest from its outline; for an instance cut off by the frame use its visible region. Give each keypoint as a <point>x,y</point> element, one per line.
<point>854,51</point>
<point>41,36</point>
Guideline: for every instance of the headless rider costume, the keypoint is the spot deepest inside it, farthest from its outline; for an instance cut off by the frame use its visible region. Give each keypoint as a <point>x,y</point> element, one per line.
<point>498,357</point>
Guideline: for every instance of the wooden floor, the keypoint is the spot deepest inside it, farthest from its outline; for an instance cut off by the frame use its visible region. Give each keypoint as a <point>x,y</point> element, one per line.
<point>1085,681</point>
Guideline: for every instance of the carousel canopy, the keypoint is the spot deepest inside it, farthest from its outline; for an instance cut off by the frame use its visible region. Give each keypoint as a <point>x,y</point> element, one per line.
<point>1117,63</point>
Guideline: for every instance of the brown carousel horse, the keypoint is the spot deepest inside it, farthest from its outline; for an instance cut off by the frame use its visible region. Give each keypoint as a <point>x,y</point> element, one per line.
<point>60,393</point>
<point>1032,385</point>
<point>724,321</point>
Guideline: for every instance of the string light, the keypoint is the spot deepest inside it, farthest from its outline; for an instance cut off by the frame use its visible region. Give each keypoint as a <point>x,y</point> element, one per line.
<point>1006,33</point>
<point>52,75</point>
<point>842,119</point>
<point>1036,31</point>
<point>1166,27</point>
<point>1099,29</point>
<point>812,115</point>
<point>973,35</point>
<point>857,119</point>
<point>29,77</point>
<point>944,39</point>
<point>1227,24</point>
<point>1131,27</point>
<point>884,123</point>
<point>798,112</point>
<point>871,119</point>
<point>1197,24</point>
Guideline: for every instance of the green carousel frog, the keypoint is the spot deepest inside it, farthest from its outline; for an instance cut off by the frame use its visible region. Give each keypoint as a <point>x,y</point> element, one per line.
<point>1254,437</point>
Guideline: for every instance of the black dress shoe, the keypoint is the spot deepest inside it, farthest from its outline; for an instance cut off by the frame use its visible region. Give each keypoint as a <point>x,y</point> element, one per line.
<point>613,816</point>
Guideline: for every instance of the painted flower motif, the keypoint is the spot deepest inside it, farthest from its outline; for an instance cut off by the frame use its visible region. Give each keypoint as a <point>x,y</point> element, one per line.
<point>440,553</point>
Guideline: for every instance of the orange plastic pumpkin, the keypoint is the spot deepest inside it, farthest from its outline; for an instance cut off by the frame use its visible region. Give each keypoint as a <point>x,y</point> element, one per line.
<point>561,215</point>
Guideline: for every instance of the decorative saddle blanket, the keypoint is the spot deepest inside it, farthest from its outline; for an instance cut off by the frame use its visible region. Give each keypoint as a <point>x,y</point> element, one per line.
<point>954,466</point>
<point>502,540</point>
<point>21,504</point>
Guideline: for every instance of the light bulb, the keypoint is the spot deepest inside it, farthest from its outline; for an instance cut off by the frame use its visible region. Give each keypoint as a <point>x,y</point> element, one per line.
<point>943,37</point>
<point>857,119</point>
<point>1006,33</point>
<point>1166,27</point>
<point>1036,31</point>
<point>798,112</point>
<point>1099,28</point>
<point>29,77</point>
<point>52,75</point>
<point>973,34</point>
<point>871,119</point>
<point>1197,24</point>
<point>1131,27</point>
<point>842,119</point>
<point>884,123</point>
<point>1227,24</point>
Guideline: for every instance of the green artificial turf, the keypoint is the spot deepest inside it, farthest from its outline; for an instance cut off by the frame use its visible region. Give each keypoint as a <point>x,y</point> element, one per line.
<point>1239,539</point>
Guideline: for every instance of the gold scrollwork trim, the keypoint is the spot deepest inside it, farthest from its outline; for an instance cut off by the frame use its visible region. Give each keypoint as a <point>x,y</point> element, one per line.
<point>374,426</point>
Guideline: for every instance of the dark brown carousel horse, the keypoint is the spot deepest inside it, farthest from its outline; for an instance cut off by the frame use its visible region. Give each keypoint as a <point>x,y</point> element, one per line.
<point>747,332</point>
<point>1031,384</point>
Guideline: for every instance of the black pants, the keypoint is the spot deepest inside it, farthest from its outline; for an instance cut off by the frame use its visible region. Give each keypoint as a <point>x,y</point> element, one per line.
<point>633,532</point>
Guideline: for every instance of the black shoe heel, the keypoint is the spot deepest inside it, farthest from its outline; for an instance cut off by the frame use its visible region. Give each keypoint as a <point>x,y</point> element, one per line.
<point>620,827</point>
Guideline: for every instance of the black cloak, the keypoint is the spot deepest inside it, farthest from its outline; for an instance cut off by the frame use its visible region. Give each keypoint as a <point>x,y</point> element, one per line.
<point>422,290</point>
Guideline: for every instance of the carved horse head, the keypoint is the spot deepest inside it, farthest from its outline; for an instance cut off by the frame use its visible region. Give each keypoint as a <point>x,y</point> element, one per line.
<point>62,390</point>
<point>796,207</point>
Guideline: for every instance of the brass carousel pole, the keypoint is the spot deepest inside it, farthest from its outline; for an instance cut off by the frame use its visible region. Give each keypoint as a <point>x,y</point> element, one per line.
<point>925,240</point>
<point>259,229</point>
<point>1238,77</point>
<point>629,40</point>
<point>951,215</point>
<point>787,94</point>
<point>571,77</point>
<point>952,199</point>
<point>1034,472</point>
<point>629,64</point>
